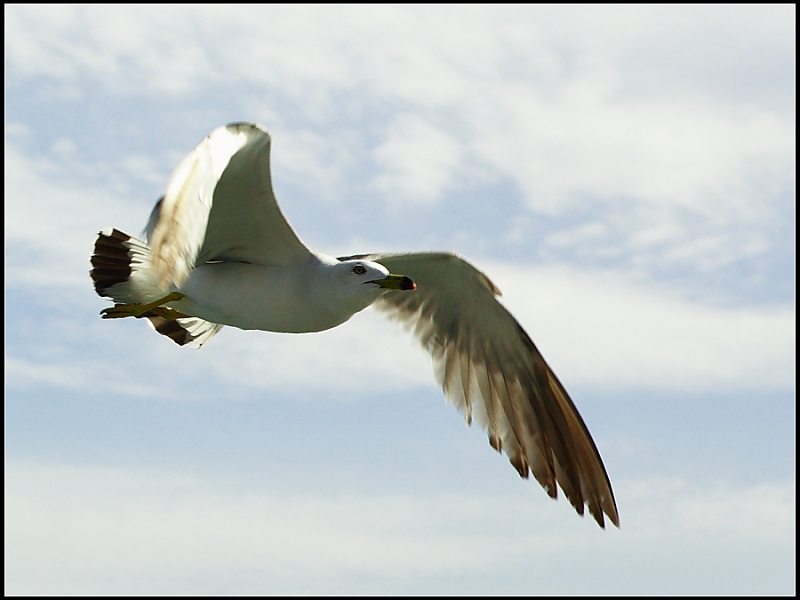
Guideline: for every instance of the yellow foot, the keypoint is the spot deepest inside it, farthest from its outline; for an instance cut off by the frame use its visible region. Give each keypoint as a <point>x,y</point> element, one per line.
<point>120,311</point>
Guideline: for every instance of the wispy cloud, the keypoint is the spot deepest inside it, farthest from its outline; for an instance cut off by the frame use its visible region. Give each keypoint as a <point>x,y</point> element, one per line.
<point>416,162</point>
<point>101,530</point>
<point>601,328</point>
<point>483,74</point>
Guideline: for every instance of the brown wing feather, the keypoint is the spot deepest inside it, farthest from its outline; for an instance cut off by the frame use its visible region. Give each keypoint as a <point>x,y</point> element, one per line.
<point>489,368</point>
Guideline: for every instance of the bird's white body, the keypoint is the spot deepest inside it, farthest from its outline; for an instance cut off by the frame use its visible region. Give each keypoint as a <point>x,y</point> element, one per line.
<point>303,298</point>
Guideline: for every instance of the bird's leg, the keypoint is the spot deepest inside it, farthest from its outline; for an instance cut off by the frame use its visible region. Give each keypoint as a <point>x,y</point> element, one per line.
<point>119,311</point>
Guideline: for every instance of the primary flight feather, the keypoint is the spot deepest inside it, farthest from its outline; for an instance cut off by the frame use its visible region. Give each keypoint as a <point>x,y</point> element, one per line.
<point>219,251</point>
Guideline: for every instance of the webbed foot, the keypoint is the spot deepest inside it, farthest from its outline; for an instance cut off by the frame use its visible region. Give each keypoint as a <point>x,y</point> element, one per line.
<point>120,311</point>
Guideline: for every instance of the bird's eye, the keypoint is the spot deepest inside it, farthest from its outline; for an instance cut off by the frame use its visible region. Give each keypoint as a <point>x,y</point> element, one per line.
<point>359,270</point>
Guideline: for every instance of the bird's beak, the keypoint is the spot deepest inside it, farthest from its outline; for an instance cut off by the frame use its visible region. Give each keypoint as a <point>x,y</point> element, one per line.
<point>396,282</point>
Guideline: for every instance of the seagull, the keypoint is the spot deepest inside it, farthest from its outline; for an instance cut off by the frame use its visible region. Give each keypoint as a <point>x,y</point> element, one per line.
<point>218,251</point>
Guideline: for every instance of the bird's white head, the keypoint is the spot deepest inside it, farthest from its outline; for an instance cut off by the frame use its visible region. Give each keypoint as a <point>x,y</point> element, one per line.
<point>364,276</point>
<point>355,284</point>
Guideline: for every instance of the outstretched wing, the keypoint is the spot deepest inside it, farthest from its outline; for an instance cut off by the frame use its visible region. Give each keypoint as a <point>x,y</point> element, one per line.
<point>490,369</point>
<point>219,205</point>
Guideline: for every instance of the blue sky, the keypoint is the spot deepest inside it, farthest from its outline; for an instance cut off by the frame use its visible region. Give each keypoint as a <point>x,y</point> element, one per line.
<point>625,175</point>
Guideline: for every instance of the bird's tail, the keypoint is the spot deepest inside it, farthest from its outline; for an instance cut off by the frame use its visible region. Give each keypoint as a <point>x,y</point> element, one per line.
<point>122,270</point>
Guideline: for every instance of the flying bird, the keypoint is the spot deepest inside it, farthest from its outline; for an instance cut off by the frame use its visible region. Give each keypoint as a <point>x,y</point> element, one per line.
<point>218,251</point>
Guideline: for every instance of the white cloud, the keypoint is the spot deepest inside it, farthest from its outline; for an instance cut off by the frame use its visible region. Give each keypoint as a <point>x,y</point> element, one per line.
<point>417,162</point>
<point>570,150</point>
<point>78,530</point>
<point>126,48</point>
<point>367,353</point>
<point>66,372</point>
<point>640,112</point>
<point>53,213</point>
<point>316,163</point>
<point>534,94</point>
<point>602,329</point>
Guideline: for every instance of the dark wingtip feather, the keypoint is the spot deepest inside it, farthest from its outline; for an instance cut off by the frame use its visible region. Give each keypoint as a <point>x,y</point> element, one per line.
<point>574,448</point>
<point>171,329</point>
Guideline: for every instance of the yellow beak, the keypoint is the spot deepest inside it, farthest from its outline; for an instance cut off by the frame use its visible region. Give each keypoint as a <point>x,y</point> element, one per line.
<point>396,282</point>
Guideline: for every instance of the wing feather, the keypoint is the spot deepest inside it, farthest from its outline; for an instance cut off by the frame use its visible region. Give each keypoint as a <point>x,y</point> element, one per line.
<point>490,369</point>
<point>178,224</point>
<point>219,205</point>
